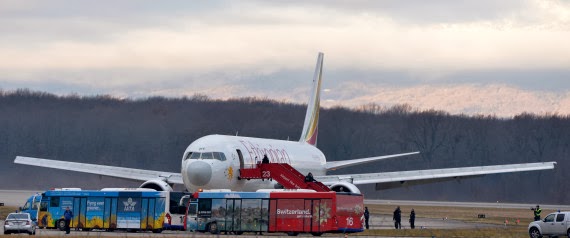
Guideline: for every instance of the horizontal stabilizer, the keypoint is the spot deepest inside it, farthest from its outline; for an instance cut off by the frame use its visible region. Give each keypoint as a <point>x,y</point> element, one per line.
<point>111,171</point>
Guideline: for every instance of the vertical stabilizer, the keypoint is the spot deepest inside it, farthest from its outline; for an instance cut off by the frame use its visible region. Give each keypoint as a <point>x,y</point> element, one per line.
<point>311,125</point>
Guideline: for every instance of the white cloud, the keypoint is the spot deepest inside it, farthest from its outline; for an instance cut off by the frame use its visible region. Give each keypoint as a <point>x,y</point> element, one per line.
<point>204,48</point>
<point>494,99</point>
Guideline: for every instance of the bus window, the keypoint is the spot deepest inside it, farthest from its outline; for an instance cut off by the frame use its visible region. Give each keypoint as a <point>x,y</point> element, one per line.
<point>193,209</point>
<point>35,205</point>
<point>26,206</point>
<point>205,207</point>
<point>43,206</point>
<point>54,202</point>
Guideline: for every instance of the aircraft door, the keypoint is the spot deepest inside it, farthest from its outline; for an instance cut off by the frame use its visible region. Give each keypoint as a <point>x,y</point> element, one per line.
<point>240,156</point>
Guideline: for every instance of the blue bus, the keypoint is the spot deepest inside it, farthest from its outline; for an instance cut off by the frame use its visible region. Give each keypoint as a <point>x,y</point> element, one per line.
<point>109,210</point>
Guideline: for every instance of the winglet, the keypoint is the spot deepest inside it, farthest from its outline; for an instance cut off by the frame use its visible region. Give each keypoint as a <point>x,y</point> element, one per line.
<point>311,125</point>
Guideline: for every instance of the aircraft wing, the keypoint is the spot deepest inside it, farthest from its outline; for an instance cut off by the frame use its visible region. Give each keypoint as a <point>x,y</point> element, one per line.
<point>112,171</point>
<point>332,165</point>
<point>387,180</point>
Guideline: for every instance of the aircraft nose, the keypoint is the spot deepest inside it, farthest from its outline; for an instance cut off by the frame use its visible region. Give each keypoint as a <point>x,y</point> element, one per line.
<point>199,173</point>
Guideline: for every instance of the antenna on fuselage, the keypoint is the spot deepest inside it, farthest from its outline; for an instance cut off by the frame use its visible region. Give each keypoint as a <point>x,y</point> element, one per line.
<point>237,132</point>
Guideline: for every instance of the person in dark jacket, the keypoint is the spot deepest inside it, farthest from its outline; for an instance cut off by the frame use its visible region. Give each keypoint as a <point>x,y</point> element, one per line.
<point>265,160</point>
<point>366,217</point>
<point>412,219</point>
<point>67,215</point>
<point>397,218</point>
<point>309,177</point>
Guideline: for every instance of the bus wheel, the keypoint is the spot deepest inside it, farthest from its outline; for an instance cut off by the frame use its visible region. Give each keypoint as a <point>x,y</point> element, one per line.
<point>292,233</point>
<point>316,233</point>
<point>61,225</point>
<point>214,228</point>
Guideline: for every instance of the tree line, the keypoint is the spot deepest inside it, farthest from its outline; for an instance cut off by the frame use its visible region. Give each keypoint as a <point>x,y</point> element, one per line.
<point>152,133</point>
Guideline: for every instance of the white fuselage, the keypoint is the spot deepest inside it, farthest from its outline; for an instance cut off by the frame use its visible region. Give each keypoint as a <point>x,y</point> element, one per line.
<point>213,162</point>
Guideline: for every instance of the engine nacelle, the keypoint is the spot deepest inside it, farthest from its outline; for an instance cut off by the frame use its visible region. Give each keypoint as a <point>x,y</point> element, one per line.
<point>157,184</point>
<point>344,187</point>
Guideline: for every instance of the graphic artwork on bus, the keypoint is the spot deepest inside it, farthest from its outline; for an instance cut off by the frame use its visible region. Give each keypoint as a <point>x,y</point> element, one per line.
<point>323,211</point>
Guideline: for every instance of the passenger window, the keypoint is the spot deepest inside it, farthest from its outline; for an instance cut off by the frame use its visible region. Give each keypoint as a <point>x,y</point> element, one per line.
<point>549,218</point>
<point>195,155</point>
<point>207,155</point>
<point>560,217</point>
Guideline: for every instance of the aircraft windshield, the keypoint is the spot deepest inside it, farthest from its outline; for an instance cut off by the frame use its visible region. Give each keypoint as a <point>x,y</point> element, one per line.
<point>206,155</point>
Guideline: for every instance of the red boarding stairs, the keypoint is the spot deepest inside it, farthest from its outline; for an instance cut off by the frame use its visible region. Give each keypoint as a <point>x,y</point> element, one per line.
<point>284,174</point>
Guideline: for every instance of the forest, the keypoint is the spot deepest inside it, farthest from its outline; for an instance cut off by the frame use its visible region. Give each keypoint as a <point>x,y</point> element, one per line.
<point>152,133</point>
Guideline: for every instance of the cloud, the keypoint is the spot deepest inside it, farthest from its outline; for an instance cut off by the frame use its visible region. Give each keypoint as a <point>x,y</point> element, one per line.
<point>268,48</point>
<point>493,99</point>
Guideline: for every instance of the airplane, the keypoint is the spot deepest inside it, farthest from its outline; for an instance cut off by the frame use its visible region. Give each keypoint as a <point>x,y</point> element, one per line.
<point>213,162</point>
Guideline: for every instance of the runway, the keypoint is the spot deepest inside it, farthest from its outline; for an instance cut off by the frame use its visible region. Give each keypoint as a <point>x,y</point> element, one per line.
<point>15,198</point>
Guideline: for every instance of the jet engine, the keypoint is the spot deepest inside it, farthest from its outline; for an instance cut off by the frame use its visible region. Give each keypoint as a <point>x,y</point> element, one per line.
<point>344,187</point>
<point>157,184</point>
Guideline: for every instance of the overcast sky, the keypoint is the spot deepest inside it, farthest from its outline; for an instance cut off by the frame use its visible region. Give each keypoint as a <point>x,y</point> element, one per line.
<point>476,57</point>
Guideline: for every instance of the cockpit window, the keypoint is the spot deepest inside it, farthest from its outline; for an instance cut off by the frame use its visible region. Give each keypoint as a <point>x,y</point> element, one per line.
<point>188,156</point>
<point>195,155</point>
<point>219,156</point>
<point>206,155</point>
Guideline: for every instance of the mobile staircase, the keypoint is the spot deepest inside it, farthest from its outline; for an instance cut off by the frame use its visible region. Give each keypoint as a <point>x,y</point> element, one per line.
<point>284,174</point>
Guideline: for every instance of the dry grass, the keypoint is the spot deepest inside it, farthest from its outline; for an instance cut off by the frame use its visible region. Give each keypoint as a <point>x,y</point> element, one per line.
<point>514,231</point>
<point>466,214</point>
<point>4,211</point>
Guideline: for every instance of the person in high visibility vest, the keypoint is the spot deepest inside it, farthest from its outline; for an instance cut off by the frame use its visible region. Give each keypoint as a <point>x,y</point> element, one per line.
<point>537,212</point>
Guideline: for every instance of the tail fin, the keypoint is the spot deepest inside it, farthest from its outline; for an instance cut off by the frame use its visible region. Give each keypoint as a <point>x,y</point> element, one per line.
<point>310,127</point>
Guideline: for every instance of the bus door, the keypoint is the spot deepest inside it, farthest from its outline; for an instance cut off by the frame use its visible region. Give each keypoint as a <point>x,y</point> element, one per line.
<point>192,216</point>
<point>310,223</point>
<point>232,218</point>
<point>107,214</point>
<point>78,207</point>
<point>147,213</point>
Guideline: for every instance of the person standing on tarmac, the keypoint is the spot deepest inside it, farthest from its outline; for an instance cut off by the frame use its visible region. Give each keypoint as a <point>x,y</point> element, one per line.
<point>67,215</point>
<point>412,219</point>
<point>397,218</point>
<point>537,212</point>
<point>366,217</point>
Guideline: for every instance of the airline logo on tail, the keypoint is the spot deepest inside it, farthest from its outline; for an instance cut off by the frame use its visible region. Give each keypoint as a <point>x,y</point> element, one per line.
<point>311,125</point>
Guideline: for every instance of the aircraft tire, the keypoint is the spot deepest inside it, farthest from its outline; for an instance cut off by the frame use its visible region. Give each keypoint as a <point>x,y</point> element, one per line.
<point>61,225</point>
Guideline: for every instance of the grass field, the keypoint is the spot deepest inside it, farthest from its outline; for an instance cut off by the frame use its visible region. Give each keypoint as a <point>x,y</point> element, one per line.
<point>493,216</point>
